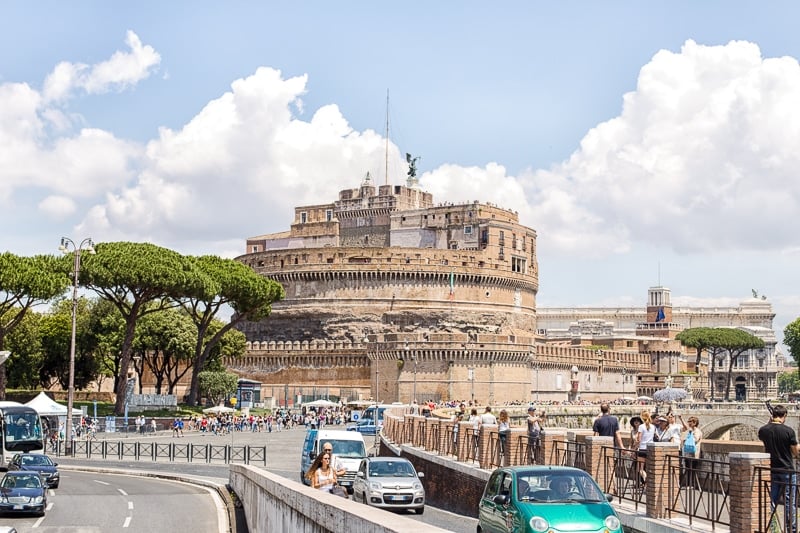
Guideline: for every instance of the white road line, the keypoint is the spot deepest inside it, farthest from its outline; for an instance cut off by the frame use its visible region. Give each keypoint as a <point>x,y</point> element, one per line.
<point>49,506</point>
<point>101,482</point>
<point>130,505</point>
<point>38,522</point>
<point>122,492</point>
<point>127,521</point>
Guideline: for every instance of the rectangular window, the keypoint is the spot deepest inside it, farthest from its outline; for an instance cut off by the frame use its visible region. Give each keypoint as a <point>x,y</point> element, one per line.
<point>329,215</point>
<point>303,217</point>
<point>467,230</point>
<point>255,248</point>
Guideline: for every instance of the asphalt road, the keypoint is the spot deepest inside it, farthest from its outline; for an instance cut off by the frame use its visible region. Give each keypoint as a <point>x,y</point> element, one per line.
<point>283,458</point>
<point>89,502</point>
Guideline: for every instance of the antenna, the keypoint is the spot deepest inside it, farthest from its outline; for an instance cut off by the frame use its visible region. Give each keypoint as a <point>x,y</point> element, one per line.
<point>386,157</point>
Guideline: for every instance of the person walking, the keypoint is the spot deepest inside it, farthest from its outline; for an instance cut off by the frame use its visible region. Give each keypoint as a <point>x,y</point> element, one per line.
<point>690,447</point>
<point>321,473</point>
<point>607,425</point>
<point>503,432</point>
<point>645,434</point>
<point>534,423</point>
<point>336,463</point>
<point>780,442</point>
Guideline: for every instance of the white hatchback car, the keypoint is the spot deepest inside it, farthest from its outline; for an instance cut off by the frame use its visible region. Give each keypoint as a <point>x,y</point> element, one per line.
<point>389,483</point>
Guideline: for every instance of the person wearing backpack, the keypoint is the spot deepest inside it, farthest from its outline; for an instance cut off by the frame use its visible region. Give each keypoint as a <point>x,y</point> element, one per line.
<point>690,449</point>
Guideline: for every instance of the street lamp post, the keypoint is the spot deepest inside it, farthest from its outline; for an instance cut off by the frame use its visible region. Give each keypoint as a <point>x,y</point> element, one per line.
<point>86,245</point>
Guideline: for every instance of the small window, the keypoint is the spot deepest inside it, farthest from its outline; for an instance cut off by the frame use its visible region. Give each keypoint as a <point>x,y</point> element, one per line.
<point>329,215</point>
<point>303,217</point>
<point>255,248</point>
<point>467,230</point>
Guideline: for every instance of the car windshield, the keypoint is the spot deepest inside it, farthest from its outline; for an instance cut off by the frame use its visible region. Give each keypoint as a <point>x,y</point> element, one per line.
<point>36,460</point>
<point>348,448</point>
<point>31,482</point>
<point>557,486</point>
<point>391,469</point>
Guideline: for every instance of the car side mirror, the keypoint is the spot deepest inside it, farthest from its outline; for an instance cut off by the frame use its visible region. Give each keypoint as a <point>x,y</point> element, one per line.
<point>610,497</point>
<point>420,475</point>
<point>501,499</point>
<point>360,474</point>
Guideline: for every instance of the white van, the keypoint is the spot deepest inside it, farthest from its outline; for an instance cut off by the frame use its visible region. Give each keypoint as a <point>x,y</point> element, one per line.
<point>348,447</point>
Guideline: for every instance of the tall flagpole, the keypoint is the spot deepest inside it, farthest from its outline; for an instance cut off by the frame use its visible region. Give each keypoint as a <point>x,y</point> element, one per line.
<point>386,158</point>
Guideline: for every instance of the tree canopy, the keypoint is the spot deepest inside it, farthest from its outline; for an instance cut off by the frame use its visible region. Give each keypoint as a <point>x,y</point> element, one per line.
<point>791,338</point>
<point>719,342</point>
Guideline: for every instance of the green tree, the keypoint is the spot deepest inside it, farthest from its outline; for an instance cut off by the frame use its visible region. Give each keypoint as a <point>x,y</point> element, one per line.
<point>138,279</point>
<point>736,342</point>
<point>24,283</point>
<point>26,360</point>
<point>791,338</point>
<point>105,331</point>
<point>220,284</point>
<point>698,338</point>
<point>218,386</point>
<point>788,382</point>
<point>165,344</point>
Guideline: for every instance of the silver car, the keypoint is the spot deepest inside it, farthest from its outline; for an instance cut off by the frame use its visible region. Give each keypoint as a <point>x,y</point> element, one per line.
<point>389,483</point>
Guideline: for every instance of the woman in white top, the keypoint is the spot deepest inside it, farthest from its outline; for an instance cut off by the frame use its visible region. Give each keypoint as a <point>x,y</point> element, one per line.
<point>321,474</point>
<point>645,434</point>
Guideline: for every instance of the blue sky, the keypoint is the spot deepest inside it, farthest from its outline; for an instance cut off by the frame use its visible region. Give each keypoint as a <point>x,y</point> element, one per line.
<point>645,142</point>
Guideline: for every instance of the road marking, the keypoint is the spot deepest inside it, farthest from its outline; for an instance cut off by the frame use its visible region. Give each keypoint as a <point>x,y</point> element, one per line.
<point>101,482</point>
<point>122,492</point>
<point>130,505</point>
<point>127,521</point>
<point>38,522</point>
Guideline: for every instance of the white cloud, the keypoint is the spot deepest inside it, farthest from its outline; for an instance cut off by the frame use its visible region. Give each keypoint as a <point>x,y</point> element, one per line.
<point>57,206</point>
<point>121,71</point>
<point>703,157</point>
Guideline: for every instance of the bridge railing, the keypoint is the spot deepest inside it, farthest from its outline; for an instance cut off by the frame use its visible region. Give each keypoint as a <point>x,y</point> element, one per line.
<point>154,451</point>
<point>705,490</point>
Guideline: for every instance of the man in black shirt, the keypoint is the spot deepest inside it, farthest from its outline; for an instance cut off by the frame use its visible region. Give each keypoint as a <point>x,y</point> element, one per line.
<point>607,425</point>
<point>780,442</point>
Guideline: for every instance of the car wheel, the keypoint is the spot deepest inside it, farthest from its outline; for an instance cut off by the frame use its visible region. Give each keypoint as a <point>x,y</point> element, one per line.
<point>420,510</point>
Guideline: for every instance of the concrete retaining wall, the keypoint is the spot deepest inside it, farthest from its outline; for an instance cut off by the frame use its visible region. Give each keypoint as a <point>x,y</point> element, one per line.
<point>273,503</point>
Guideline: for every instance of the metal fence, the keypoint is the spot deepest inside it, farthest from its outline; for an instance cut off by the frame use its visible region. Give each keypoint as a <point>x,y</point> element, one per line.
<point>154,451</point>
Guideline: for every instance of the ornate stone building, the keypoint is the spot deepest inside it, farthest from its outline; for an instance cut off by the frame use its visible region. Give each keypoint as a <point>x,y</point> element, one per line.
<point>392,297</point>
<point>437,299</point>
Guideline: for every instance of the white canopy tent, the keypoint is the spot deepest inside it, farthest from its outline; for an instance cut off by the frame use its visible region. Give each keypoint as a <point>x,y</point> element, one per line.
<point>46,406</point>
<point>321,403</point>
<point>219,409</point>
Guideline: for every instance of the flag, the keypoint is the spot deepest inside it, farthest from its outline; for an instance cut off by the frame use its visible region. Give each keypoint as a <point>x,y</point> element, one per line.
<point>660,315</point>
<point>452,286</point>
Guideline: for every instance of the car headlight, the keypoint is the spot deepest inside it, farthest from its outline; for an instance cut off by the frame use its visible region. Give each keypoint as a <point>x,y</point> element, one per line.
<point>612,522</point>
<point>417,485</point>
<point>538,523</point>
<point>374,485</point>
<point>38,499</point>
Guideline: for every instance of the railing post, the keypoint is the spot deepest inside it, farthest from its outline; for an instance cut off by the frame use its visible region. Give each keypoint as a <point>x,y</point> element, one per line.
<point>594,457</point>
<point>743,490</point>
<point>515,447</point>
<point>657,485</point>
<point>484,449</point>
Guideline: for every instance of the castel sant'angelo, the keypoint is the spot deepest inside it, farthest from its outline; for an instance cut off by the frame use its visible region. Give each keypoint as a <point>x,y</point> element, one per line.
<point>392,296</point>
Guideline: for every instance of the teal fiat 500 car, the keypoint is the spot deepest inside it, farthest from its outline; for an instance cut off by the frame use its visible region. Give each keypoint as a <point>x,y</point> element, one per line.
<point>542,499</point>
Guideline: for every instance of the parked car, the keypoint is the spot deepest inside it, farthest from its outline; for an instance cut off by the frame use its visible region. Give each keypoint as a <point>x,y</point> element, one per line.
<point>37,462</point>
<point>545,498</point>
<point>22,492</point>
<point>389,483</point>
<point>348,449</point>
<point>365,427</point>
